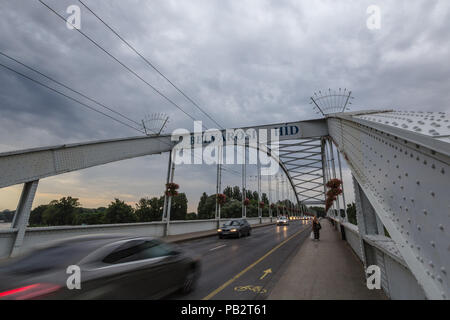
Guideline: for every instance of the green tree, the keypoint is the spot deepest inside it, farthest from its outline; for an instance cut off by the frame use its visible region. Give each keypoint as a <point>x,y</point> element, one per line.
<point>237,195</point>
<point>228,191</point>
<point>351,213</point>
<point>231,209</point>
<point>178,208</point>
<point>191,216</point>
<point>90,217</point>
<point>207,207</point>
<point>320,211</point>
<point>252,208</point>
<point>150,209</point>
<point>36,215</point>
<point>264,198</point>
<point>62,212</point>
<point>201,204</point>
<point>119,212</point>
<point>7,215</point>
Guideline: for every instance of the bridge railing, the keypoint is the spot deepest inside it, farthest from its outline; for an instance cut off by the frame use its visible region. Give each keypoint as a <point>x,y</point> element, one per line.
<point>397,281</point>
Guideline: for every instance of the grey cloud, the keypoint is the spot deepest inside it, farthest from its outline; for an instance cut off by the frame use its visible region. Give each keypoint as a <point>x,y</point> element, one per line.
<point>245,62</point>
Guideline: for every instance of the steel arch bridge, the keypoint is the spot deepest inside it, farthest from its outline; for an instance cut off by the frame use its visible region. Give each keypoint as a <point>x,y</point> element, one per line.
<point>400,166</point>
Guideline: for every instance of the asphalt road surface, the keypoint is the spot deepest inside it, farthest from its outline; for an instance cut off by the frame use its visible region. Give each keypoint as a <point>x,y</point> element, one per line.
<point>245,268</point>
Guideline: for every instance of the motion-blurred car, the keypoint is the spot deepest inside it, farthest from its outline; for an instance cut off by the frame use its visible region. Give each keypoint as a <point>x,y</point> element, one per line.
<point>282,221</point>
<point>235,228</point>
<point>112,267</point>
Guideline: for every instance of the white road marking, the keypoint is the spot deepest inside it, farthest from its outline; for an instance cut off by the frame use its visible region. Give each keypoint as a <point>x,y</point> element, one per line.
<point>212,249</point>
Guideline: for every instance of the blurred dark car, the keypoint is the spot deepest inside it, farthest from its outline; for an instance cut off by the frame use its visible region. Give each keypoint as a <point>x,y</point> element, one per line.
<point>112,267</point>
<point>235,228</point>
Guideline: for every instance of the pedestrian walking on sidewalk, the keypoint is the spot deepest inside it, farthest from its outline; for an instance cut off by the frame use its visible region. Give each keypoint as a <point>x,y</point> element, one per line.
<point>316,228</point>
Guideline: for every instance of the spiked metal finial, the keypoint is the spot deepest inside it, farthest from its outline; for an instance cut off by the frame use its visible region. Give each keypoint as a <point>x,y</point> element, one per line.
<point>332,102</point>
<point>155,123</point>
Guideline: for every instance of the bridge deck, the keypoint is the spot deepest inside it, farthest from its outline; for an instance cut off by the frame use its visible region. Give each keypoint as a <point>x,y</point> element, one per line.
<point>326,269</point>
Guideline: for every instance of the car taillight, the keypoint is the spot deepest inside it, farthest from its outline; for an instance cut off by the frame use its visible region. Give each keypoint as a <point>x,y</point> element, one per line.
<point>29,292</point>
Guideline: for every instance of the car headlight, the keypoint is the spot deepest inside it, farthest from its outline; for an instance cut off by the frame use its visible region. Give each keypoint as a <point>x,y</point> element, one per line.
<point>233,230</point>
<point>219,230</point>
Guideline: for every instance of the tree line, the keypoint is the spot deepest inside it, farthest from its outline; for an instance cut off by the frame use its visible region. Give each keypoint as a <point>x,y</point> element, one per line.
<point>7,215</point>
<point>232,208</point>
<point>68,211</point>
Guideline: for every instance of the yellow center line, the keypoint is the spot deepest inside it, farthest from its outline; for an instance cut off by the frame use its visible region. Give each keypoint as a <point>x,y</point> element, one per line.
<point>226,284</point>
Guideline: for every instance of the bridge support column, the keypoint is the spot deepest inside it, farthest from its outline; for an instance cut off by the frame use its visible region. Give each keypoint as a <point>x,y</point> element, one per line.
<point>369,224</point>
<point>218,184</point>
<point>166,198</point>
<point>244,184</point>
<point>22,214</point>
<point>269,177</point>
<point>169,201</point>
<point>259,188</point>
<point>342,179</point>
<point>324,169</point>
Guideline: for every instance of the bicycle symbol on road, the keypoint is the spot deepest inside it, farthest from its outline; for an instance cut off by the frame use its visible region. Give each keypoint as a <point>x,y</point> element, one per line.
<point>256,289</point>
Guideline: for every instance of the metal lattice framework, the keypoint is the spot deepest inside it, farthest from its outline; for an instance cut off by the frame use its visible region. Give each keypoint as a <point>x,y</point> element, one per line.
<point>303,162</point>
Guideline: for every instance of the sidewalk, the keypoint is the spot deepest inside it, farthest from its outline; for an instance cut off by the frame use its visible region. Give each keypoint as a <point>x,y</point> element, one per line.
<point>202,234</point>
<point>325,269</point>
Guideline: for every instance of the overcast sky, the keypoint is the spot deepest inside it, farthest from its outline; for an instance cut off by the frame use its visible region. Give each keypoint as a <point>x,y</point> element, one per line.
<point>244,62</point>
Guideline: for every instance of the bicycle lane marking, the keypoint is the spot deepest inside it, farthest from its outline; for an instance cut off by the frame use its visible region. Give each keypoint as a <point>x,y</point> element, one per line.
<point>258,282</point>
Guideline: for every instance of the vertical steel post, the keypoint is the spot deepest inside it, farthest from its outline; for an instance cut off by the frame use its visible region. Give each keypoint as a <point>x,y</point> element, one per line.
<point>216,215</point>
<point>220,180</point>
<point>324,168</point>
<point>277,178</point>
<point>342,179</point>
<point>244,183</point>
<point>164,215</point>
<point>169,202</point>
<point>258,165</point>
<point>269,177</point>
<point>282,196</point>
<point>334,176</point>
<point>328,165</point>
<point>22,215</point>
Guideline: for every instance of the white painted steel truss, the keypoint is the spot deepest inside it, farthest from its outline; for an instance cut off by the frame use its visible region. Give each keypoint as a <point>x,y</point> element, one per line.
<point>400,163</point>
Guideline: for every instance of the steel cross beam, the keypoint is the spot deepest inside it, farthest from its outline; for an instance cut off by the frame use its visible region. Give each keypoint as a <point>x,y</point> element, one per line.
<point>400,162</point>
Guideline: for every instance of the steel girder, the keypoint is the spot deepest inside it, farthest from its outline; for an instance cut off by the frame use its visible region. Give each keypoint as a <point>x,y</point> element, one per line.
<point>403,173</point>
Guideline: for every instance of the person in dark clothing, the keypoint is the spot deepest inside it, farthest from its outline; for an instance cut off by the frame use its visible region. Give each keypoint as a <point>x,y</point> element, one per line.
<point>316,228</point>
